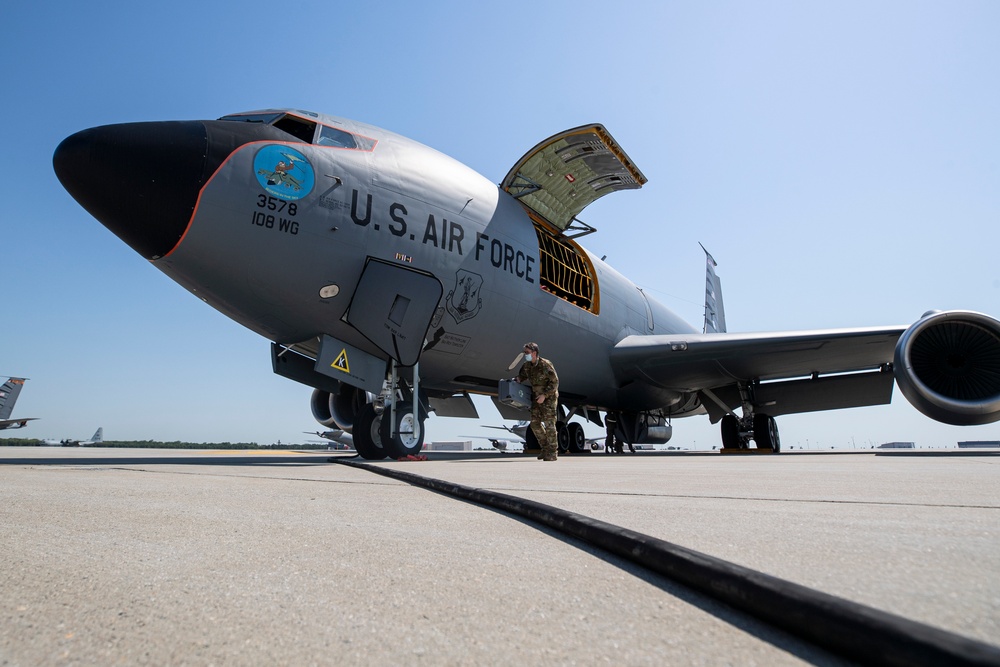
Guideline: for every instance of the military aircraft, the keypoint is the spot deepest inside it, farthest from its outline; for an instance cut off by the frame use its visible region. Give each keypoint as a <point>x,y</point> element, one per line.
<point>95,439</point>
<point>502,445</point>
<point>520,429</point>
<point>339,438</point>
<point>396,281</point>
<point>520,432</point>
<point>9,392</point>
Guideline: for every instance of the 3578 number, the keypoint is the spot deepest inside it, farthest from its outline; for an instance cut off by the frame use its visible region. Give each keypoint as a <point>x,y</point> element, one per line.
<point>277,205</point>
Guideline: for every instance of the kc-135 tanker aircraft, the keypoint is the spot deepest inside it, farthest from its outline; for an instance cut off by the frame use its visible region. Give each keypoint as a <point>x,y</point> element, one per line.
<point>395,281</point>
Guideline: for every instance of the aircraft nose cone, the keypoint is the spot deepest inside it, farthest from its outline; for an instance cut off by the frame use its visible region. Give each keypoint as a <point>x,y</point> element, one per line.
<point>140,180</point>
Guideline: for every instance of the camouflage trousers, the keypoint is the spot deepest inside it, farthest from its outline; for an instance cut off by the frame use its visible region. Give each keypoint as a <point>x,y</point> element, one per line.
<point>543,425</point>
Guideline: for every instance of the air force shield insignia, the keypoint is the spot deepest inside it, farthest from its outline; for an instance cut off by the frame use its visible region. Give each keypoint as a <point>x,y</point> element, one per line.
<point>463,302</point>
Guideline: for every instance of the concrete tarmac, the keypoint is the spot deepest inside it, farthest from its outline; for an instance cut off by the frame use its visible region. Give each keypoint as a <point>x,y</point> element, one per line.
<point>195,557</point>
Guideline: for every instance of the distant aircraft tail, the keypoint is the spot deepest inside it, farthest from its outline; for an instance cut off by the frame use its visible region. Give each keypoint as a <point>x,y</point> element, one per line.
<point>8,395</point>
<point>98,436</point>
<point>715,312</point>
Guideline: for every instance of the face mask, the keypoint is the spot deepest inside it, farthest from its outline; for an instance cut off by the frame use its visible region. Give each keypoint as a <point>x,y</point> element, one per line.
<point>527,356</point>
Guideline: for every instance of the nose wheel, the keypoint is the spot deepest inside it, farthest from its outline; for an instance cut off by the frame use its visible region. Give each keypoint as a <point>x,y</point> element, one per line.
<point>407,438</point>
<point>367,440</point>
<point>396,427</point>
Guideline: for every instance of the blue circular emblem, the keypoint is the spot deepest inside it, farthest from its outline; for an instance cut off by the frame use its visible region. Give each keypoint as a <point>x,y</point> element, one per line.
<point>284,172</point>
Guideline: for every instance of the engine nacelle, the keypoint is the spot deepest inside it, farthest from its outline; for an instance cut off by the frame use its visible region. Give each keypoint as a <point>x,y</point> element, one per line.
<point>948,366</point>
<point>339,410</point>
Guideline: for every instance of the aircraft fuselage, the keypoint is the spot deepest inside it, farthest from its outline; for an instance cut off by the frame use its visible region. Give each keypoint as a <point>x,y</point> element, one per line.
<point>281,231</point>
<point>348,246</point>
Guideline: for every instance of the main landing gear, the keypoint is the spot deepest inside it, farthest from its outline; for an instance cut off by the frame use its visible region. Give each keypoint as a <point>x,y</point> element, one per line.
<point>737,432</point>
<point>570,437</point>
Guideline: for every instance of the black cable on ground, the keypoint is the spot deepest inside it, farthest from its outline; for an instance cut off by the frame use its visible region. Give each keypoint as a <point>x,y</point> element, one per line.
<point>855,631</point>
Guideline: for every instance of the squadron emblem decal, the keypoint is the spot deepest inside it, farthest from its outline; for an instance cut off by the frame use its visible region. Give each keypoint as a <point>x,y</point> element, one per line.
<point>284,172</point>
<point>463,302</point>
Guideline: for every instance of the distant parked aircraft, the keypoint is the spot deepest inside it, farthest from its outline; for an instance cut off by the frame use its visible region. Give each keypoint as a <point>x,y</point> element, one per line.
<point>96,439</point>
<point>337,436</point>
<point>8,396</point>
<point>520,431</point>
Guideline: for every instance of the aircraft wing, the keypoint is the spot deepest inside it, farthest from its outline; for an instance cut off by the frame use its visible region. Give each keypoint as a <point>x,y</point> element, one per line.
<point>15,423</point>
<point>798,371</point>
<point>562,175</point>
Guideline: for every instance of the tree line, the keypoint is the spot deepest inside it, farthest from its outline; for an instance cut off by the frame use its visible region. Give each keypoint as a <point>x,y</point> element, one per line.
<point>154,444</point>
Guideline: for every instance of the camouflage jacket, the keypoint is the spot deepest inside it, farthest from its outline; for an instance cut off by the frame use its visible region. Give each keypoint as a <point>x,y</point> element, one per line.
<point>541,376</point>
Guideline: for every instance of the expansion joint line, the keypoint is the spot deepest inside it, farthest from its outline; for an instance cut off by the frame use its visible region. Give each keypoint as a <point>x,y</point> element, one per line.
<point>855,631</point>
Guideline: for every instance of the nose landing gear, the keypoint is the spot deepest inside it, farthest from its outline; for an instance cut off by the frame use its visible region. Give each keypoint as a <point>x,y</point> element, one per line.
<point>393,425</point>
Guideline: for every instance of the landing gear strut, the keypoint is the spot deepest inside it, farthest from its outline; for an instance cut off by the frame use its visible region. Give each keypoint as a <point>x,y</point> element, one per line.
<point>737,432</point>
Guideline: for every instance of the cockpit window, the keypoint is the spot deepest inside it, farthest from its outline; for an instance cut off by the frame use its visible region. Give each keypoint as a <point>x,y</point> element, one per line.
<point>297,127</point>
<point>331,136</point>
<point>265,118</point>
<point>305,130</point>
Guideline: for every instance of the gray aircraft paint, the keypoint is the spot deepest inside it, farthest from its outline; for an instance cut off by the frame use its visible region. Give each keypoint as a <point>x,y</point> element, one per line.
<point>438,234</point>
<point>282,231</point>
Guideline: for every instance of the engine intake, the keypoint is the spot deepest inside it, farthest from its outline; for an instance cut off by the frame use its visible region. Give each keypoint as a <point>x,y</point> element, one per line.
<point>948,366</point>
<point>341,409</point>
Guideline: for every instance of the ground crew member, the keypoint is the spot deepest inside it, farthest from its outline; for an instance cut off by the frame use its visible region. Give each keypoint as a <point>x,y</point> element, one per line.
<point>541,375</point>
<point>612,443</point>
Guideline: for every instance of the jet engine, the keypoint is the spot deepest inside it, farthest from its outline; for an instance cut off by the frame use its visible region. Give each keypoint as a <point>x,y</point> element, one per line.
<point>340,409</point>
<point>948,366</point>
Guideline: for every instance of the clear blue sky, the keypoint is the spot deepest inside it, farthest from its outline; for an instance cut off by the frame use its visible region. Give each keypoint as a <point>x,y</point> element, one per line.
<point>840,160</point>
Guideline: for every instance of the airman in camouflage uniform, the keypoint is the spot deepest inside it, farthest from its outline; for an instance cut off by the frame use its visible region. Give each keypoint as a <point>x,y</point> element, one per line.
<point>541,375</point>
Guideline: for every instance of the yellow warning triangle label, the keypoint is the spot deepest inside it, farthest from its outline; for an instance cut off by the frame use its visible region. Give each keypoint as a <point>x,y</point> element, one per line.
<point>340,363</point>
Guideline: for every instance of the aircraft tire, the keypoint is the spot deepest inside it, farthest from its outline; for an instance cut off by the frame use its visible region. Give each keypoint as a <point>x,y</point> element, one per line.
<point>730,432</point>
<point>409,438</point>
<point>577,439</point>
<point>765,433</point>
<point>562,437</point>
<point>366,434</point>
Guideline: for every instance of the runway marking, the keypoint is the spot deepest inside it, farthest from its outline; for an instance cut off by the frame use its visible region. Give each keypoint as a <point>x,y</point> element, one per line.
<point>889,503</point>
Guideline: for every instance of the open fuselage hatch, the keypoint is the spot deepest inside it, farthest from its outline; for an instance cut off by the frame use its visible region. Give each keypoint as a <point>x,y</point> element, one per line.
<point>565,270</point>
<point>556,180</point>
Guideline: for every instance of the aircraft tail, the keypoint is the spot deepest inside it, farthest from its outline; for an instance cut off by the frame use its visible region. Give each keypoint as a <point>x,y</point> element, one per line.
<point>98,436</point>
<point>8,395</point>
<point>715,313</point>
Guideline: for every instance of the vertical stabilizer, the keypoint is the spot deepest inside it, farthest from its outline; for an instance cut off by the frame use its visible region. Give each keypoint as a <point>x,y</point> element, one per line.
<point>715,312</point>
<point>8,395</point>
<point>99,436</point>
